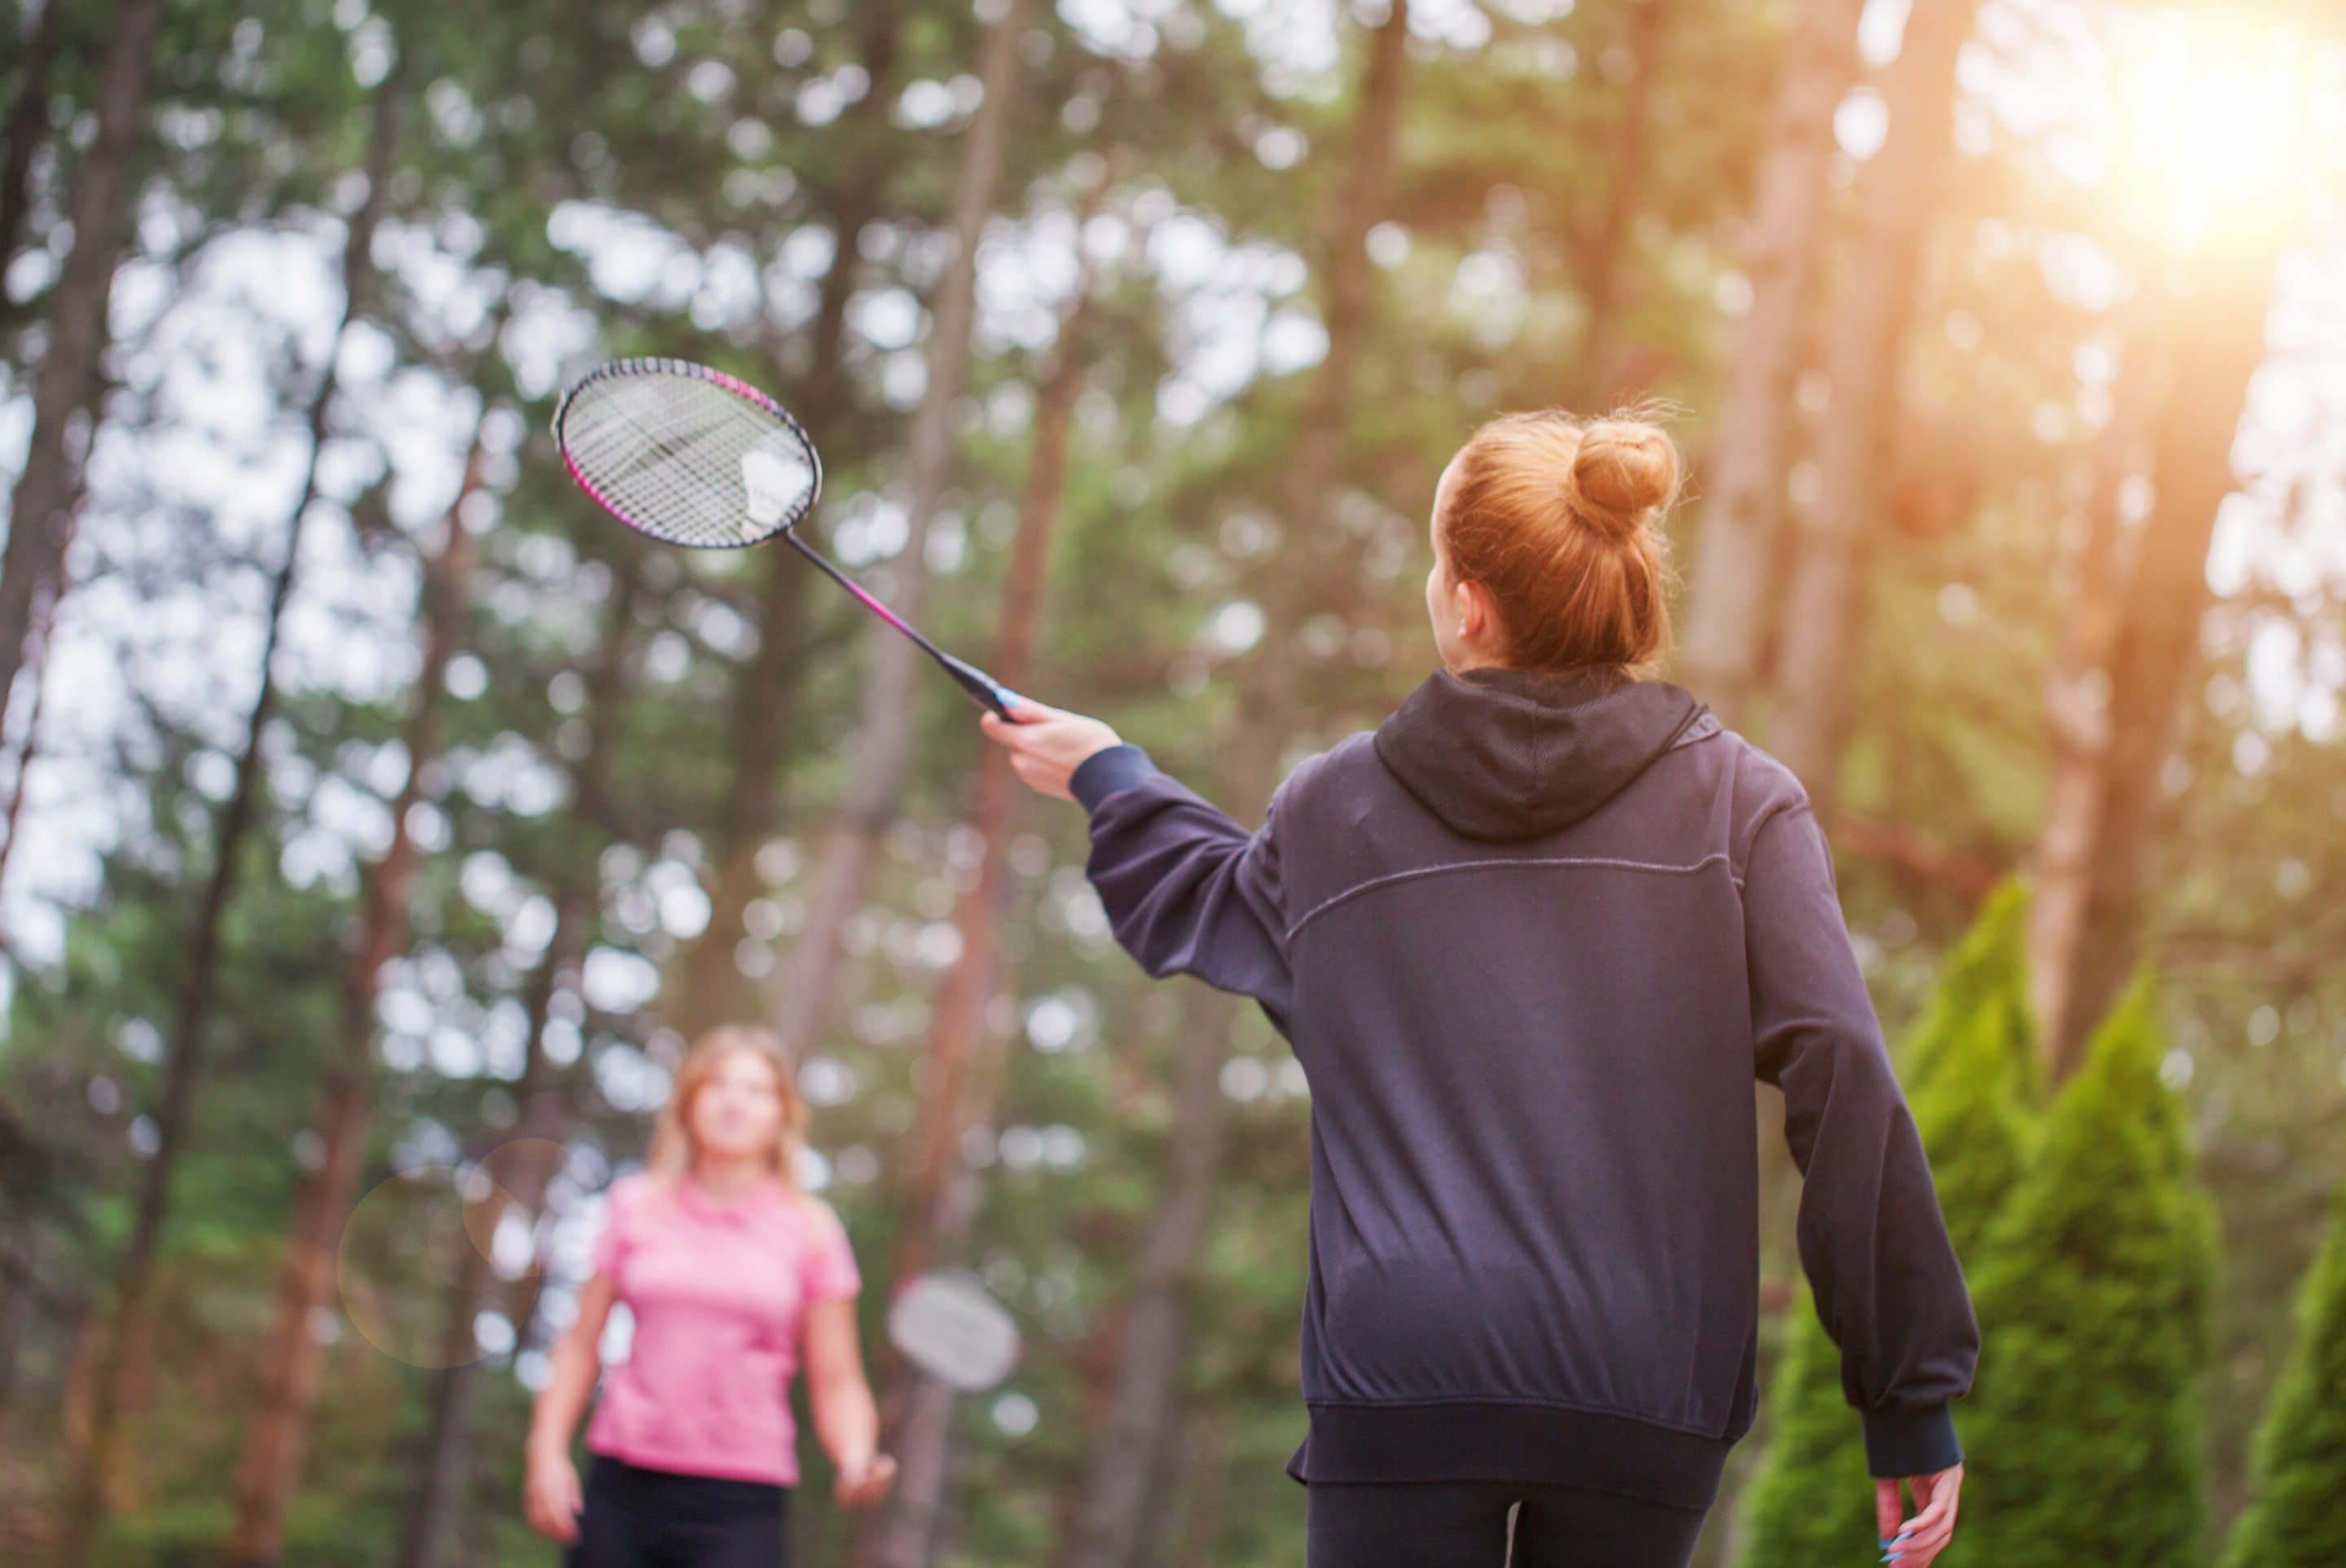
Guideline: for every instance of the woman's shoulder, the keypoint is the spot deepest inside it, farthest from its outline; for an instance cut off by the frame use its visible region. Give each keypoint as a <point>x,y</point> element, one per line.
<point>1763,785</point>
<point>1355,750</point>
<point>630,1194</point>
<point>814,1216</point>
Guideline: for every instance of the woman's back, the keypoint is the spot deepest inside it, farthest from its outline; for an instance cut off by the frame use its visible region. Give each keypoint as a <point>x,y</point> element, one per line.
<point>1571,1000</point>
<point>1533,1219</point>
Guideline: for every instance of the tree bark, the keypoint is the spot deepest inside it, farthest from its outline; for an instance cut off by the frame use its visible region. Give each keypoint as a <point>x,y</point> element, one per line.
<point>28,119</point>
<point>41,510</point>
<point>20,1301</point>
<point>1143,1396</point>
<point>2083,947</point>
<point>183,1066</point>
<point>766,699</point>
<point>37,647</point>
<point>892,685</point>
<point>1142,1399</point>
<point>1209,1465</point>
<point>447,1448</point>
<point>1731,590</point>
<point>1824,606</point>
<point>275,1440</point>
<point>957,1091</point>
<point>2077,689</point>
<point>438,1502</point>
<point>1596,380</point>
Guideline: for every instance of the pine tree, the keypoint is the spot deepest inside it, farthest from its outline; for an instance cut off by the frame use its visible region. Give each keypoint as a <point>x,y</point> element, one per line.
<point>2299,1516</point>
<point>1971,1070</point>
<point>2094,1297</point>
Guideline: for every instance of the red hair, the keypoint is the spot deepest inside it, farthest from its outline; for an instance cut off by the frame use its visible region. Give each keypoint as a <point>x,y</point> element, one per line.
<point>1562,521</point>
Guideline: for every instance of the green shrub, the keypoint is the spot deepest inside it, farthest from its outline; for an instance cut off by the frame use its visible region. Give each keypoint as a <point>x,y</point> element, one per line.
<point>2094,1292</point>
<point>2297,1518</point>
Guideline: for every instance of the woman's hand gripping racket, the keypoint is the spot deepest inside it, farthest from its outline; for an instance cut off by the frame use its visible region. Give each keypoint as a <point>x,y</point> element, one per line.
<point>692,456</point>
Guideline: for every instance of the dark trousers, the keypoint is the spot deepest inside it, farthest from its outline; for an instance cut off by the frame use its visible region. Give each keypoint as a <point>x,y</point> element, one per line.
<point>1465,1524</point>
<point>639,1518</point>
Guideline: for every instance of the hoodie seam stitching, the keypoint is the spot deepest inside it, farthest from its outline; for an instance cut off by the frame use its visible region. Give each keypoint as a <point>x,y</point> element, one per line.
<point>1718,857</point>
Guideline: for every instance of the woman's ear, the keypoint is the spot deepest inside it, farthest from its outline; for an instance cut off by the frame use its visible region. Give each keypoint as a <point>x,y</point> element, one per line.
<point>1474,605</point>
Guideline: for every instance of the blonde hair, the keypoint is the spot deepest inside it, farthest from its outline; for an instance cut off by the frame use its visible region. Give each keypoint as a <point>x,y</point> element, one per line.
<point>1561,520</point>
<point>672,1150</point>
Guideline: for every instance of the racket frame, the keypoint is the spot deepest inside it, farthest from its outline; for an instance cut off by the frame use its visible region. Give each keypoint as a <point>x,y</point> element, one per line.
<point>982,688</point>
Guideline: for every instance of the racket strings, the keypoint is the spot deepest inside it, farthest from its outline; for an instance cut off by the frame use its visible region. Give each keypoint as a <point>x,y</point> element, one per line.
<point>664,453</point>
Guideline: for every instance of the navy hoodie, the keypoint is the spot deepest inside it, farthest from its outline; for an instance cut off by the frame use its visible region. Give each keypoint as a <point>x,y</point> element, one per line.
<point>1532,939</point>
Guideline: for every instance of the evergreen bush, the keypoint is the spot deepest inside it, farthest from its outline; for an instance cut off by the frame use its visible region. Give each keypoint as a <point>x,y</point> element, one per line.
<point>2296,1517</point>
<point>2094,1292</point>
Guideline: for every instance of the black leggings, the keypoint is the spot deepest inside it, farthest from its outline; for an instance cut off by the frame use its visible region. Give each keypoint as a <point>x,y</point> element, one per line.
<point>639,1518</point>
<point>1464,1524</point>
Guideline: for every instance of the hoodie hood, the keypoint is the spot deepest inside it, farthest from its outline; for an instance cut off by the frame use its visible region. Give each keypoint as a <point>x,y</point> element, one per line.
<point>1505,755</point>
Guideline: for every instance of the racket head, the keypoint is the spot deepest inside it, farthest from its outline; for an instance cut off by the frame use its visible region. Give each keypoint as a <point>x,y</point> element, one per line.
<point>947,1324</point>
<point>686,454</point>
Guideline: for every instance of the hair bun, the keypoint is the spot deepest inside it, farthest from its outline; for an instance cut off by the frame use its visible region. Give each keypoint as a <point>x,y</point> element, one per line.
<point>1624,470</point>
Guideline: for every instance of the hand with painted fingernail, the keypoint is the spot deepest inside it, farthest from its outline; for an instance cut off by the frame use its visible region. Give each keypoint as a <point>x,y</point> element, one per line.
<point>1915,1542</point>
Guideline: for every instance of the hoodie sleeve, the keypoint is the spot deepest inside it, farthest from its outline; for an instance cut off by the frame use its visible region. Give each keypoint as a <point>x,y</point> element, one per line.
<point>1187,890</point>
<point>1888,1288</point>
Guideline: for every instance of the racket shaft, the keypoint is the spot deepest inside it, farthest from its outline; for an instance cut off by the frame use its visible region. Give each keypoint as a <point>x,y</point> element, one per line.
<point>982,688</point>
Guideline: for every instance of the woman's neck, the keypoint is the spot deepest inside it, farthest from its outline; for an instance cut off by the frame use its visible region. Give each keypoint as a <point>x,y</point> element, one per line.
<point>727,1179</point>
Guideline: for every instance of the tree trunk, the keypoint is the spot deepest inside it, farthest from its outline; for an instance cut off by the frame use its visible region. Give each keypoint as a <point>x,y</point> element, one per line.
<point>183,1066</point>
<point>2216,341</point>
<point>910,1532</point>
<point>957,1092</point>
<point>1209,1465</point>
<point>447,1443</point>
<point>28,121</point>
<point>1824,606</point>
<point>766,699</point>
<point>1142,1396</point>
<point>1125,1450</point>
<point>2077,688</point>
<point>20,1301</point>
<point>892,683</point>
<point>277,1438</point>
<point>37,647</point>
<point>1608,270</point>
<point>41,511</point>
<point>1731,591</point>
<point>447,1448</point>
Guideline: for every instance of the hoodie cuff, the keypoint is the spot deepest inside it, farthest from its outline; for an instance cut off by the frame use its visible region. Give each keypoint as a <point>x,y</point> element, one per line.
<point>1104,773</point>
<point>1899,1443</point>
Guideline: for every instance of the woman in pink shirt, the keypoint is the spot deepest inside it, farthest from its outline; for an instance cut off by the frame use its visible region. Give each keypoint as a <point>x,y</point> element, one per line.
<point>733,1275</point>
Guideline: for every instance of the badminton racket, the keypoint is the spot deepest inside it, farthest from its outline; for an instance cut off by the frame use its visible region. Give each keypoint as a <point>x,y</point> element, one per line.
<point>695,457</point>
<point>945,1323</point>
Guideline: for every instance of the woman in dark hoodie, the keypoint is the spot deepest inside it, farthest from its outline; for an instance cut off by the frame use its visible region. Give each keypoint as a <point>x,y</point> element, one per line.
<point>1532,939</point>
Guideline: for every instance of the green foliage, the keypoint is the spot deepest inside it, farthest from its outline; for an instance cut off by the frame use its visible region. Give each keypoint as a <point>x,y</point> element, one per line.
<point>2095,1301</point>
<point>1812,1501</point>
<point>1973,1083</point>
<point>2297,1517</point>
<point>1972,1070</point>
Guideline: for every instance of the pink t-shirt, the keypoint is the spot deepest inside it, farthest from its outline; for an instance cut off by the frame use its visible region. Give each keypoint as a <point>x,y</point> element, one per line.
<point>718,1292</point>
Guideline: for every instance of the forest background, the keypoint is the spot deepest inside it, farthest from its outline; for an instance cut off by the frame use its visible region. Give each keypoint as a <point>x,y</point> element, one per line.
<point>380,820</point>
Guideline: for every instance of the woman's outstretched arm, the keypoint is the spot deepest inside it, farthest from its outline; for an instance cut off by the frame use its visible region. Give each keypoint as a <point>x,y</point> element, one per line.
<point>1187,890</point>
<point>550,1494</point>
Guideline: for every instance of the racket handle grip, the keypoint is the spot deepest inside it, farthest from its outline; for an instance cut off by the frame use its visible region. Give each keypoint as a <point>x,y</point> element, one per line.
<point>982,687</point>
